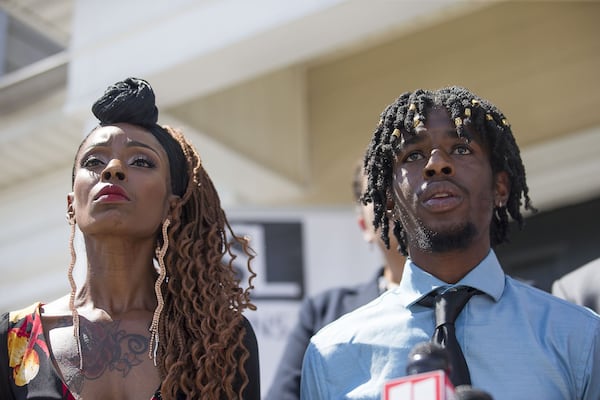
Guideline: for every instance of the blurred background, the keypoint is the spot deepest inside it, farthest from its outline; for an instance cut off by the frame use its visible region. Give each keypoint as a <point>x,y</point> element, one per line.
<point>281,98</point>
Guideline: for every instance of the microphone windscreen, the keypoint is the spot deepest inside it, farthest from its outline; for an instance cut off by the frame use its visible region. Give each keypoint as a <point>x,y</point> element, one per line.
<point>426,357</point>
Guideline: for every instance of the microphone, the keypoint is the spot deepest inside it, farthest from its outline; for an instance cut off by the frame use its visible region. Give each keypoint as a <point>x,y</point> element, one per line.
<point>428,371</point>
<point>427,356</point>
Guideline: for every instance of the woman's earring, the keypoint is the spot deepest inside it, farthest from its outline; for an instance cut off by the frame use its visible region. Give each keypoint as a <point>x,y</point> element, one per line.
<point>70,216</point>
<point>160,256</point>
<point>74,312</point>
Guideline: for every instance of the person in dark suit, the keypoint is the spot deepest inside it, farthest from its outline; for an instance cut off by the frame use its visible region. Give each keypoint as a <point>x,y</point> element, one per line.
<point>581,286</point>
<point>323,308</point>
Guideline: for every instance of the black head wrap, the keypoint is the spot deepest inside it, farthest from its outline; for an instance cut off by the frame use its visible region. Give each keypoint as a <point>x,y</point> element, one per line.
<point>132,101</point>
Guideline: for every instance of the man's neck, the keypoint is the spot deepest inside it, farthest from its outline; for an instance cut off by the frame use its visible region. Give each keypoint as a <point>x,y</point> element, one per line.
<point>450,266</point>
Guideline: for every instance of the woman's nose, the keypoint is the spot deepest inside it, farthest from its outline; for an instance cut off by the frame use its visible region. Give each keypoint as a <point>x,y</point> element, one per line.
<point>114,169</point>
<point>439,163</point>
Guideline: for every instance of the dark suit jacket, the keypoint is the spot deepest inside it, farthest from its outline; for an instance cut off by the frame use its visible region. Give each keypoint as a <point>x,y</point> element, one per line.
<point>316,312</point>
<point>581,286</point>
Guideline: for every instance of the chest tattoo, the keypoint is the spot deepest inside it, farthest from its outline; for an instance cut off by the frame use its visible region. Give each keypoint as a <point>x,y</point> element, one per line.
<point>106,347</point>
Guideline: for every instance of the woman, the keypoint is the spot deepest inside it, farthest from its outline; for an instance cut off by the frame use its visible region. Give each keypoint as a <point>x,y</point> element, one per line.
<point>161,307</point>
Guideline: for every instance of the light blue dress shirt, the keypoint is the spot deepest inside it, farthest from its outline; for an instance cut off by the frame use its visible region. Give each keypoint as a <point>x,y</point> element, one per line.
<point>519,342</point>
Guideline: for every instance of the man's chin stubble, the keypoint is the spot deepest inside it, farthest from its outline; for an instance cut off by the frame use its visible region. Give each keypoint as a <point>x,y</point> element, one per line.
<point>454,238</point>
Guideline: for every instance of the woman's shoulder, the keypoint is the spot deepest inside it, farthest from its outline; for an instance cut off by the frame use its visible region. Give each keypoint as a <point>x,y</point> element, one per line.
<point>246,322</point>
<point>252,391</point>
<point>57,308</point>
<point>16,316</point>
<point>34,314</point>
<point>250,340</point>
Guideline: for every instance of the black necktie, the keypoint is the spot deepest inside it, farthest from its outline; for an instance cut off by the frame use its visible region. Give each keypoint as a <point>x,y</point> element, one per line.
<point>448,304</point>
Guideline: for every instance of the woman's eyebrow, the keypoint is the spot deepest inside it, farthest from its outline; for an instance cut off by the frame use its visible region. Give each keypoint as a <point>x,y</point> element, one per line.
<point>130,143</point>
<point>135,143</point>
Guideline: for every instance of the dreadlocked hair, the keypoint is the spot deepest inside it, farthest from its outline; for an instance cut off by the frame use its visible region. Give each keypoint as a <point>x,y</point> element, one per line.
<point>200,352</point>
<point>397,123</point>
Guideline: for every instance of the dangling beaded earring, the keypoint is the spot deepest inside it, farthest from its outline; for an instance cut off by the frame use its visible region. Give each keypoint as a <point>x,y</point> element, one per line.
<point>74,313</point>
<point>160,255</point>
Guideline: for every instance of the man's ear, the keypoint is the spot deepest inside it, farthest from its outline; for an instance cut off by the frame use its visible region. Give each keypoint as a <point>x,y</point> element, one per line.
<point>501,189</point>
<point>391,209</point>
<point>389,203</point>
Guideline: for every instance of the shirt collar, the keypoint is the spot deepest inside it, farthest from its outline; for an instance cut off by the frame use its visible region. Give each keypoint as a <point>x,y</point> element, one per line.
<point>487,276</point>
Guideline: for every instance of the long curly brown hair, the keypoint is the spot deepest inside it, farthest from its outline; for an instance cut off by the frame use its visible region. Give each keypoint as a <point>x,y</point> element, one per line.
<point>201,329</point>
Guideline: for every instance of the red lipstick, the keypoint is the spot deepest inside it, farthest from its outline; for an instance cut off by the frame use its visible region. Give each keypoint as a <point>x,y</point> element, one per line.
<point>111,193</point>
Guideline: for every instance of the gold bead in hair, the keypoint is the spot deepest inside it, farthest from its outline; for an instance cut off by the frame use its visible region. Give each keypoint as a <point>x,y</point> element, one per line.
<point>458,121</point>
<point>380,122</point>
<point>489,117</point>
<point>475,102</point>
<point>412,107</point>
<point>416,120</point>
<point>467,112</point>
<point>504,122</point>
<point>396,133</point>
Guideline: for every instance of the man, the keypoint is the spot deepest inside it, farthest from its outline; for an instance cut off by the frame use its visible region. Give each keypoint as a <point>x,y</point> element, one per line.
<point>581,286</point>
<point>318,311</point>
<point>444,167</point>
